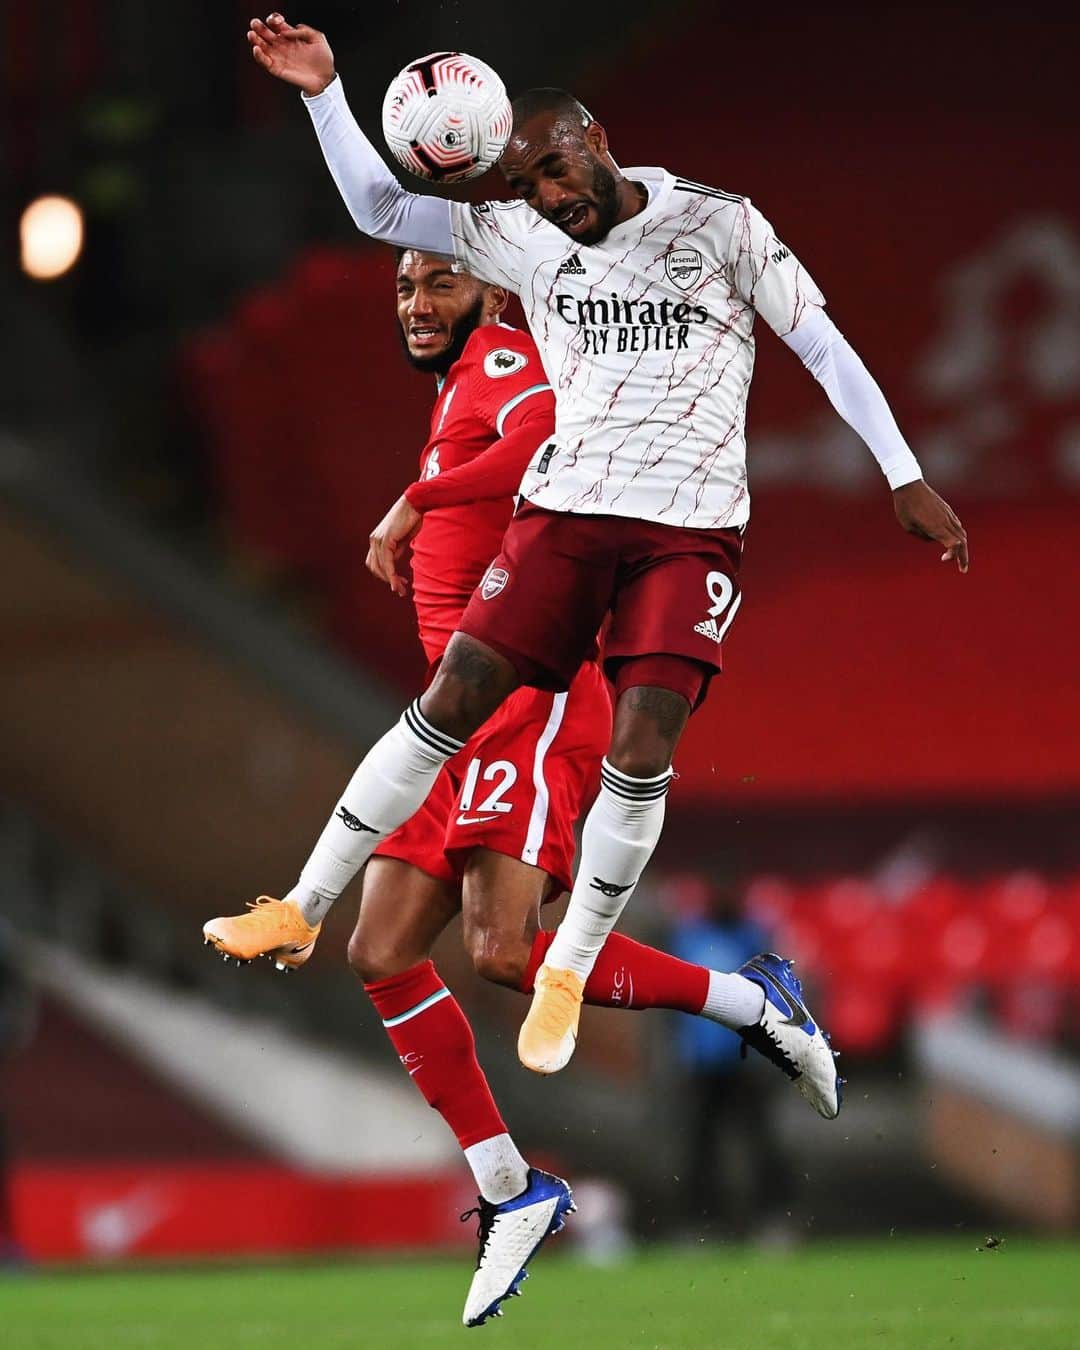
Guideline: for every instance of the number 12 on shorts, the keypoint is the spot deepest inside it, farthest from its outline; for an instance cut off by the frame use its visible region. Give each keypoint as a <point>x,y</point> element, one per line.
<point>500,773</point>
<point>720,589</point>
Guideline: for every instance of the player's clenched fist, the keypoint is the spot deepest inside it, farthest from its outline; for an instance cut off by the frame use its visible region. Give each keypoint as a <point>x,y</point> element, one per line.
<point>298,55</point>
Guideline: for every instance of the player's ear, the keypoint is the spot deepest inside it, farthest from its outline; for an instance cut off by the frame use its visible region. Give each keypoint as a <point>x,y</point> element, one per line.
<point>596,138</point>
<point>495,300</point>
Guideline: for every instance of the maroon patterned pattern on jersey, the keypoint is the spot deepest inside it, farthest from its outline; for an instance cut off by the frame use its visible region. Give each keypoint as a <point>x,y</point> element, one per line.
<point>647,338</point>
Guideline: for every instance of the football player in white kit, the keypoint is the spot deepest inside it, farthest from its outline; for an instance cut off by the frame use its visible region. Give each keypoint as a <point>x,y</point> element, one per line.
<point>641,289</point>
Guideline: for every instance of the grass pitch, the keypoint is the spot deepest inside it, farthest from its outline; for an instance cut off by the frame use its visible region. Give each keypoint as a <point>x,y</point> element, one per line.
<point>901,1296</point>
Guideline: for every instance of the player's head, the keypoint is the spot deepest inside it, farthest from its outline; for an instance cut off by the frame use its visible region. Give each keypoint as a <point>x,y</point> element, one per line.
<point>557,159</point>
<point>439,305</point>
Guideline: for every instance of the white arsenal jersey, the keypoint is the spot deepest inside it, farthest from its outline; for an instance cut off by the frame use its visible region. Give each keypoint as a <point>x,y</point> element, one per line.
<point>647,339</point>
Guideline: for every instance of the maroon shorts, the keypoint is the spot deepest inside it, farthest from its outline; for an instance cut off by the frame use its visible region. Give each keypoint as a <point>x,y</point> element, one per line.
<point>518,785</point>
<point>541,602</point>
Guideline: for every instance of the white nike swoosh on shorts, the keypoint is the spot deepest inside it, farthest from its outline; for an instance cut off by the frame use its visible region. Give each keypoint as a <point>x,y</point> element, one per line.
<point>475,820</point>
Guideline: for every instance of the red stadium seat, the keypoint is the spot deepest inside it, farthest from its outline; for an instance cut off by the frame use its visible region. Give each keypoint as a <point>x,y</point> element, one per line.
<point>771,900</point>
<point>316,425</point>
<point>1017,900</point>
<point>862,1017</point>
<point>848,904</point>
<point>1052,949</point>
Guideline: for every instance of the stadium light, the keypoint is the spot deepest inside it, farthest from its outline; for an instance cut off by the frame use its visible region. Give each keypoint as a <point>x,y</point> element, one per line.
<point>51,237</point>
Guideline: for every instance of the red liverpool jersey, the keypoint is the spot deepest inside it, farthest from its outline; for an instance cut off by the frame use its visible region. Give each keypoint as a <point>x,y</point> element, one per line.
<point>494,411</point>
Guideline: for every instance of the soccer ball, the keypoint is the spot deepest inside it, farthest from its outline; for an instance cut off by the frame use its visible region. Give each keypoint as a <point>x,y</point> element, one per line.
<point>446,117</point>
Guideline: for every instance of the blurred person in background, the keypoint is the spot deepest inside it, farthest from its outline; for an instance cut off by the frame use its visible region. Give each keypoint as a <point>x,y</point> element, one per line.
<point>738,1178</point>
<point>17,1006</point>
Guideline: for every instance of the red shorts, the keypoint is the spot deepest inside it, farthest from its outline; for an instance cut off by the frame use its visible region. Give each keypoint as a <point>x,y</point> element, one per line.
<point>518,785</point>
<point>669,590</point>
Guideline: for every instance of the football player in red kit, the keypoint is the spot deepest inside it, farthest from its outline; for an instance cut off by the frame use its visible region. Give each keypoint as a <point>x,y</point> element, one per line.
<point>494,839</point>
<point>520,783</point>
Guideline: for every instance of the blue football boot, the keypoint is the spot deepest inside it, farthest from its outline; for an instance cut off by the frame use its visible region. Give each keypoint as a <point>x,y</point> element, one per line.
<point>510,1236</point>
<point>788,1035</point>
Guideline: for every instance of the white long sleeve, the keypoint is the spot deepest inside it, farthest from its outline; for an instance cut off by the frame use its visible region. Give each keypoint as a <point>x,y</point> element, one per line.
<point>855,395</point>
<point>377,202</point>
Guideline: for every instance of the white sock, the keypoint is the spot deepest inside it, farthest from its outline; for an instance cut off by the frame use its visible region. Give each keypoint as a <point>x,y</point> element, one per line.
<point>500,1170</point>
<point>620,834</point>
<point>391,784</point>
<point>733,1001</point>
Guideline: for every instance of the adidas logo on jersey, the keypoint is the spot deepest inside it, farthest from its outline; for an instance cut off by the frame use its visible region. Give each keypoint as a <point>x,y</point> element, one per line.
<point>707,628</point>
<point>571,267</point>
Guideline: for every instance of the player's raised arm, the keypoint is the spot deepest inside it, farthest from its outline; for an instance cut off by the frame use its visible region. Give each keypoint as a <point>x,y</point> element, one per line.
<point>377,202</point>
<point>296,53</point>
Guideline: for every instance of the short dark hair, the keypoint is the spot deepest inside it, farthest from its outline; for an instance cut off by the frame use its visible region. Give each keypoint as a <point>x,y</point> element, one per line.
<point>565,106</point>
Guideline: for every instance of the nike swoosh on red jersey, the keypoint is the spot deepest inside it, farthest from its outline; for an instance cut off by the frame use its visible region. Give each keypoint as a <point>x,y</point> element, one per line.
<point>475,820</point>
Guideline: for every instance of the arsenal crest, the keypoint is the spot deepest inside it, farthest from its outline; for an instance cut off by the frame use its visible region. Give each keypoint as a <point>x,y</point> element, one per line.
<point>495,578</point>
<point>683,266</point>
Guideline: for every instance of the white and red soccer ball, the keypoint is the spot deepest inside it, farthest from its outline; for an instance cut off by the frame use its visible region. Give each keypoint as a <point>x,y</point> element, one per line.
<point>446,117</point>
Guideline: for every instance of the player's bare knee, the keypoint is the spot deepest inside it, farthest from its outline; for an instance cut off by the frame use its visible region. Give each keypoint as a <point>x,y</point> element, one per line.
<point>498,957</point>
<point>640,761</point>
<point>362,960</point>
<point>471,682</point>
<point>373,960</point>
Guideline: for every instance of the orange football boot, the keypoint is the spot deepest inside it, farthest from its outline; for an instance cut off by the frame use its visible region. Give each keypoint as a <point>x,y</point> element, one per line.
<point>549,1033</point>
<point>273,928</point>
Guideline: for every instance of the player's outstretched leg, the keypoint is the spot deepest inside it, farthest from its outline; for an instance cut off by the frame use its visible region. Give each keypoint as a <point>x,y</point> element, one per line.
<point>620,833</point>
<point>510,1236</point>
<point>402,912</point>
<point>788,1035</point>
<point>390,784</point>
<point>501,904</point>
<point>518,1206</point>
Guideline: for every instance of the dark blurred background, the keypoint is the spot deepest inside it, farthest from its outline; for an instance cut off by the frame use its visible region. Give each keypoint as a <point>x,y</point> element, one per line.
<point>203,415</point>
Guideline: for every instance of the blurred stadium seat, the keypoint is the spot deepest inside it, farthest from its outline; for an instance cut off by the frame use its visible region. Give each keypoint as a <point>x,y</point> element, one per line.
<point>877,961</point>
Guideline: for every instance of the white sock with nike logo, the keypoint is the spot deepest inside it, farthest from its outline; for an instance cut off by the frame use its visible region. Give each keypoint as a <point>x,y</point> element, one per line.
<point>620,834</point>
<point>390,784</point>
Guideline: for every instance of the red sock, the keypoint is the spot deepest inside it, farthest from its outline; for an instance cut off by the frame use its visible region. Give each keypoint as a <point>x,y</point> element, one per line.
<point>435,1043</point>
<point>628,974</point>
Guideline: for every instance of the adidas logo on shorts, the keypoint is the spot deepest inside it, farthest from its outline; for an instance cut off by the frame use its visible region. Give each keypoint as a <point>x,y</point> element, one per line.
<point>707,628</point>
